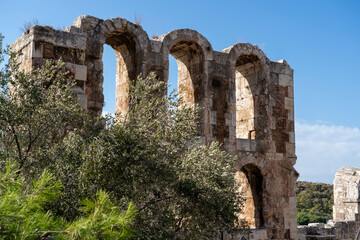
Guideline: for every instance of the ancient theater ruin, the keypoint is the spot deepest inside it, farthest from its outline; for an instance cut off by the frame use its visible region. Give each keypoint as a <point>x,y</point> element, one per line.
<point>247,100</point>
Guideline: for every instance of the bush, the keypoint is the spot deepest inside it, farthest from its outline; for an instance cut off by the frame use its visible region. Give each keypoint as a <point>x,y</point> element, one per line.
<point>150,156</point>
<point>314,202</point>
<point>23,215</point>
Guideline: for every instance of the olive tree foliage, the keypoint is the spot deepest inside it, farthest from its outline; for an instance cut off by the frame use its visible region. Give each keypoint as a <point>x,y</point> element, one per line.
<point>183,189</point>
<point>152,156</point>
<point>37,112</point>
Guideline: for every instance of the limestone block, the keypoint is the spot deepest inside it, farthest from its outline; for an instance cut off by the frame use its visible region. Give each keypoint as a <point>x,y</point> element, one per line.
<point>283,62</point>
<point>260,146</point>
<point>289,103</point>
<point>213,117</point>
<point>119,23</point>
<point>37,50</point>
<point>277,67</point>
<point>291,115</point>
<point>274,156</point>
<point>86,22</point>
<point>258,234</point>
<point>230,145</point>
<point>109,26</point>
<point>228,119</point>
<point>292,137</point>
<point>270,146</point>
<point>243,144</point>
<point>80,72</point>
<point>155,46</point>
<point>221,58</point>
<point>73,29</point>
<point>253,145</point>
<point>289,71</point>
<point>82,100</point>
<point>232,132</point>
<point>290,92</point>
<point>285,80</point>
<point>290,148</point>
<point>292,202</point>
<point>286,214</point>
<point>274,78</point>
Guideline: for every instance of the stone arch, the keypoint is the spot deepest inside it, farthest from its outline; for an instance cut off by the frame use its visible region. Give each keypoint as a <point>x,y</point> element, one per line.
<point>106,27</point>
<point>130,44</point>
<point>171,38</point>
<point>190,61</point>
<point>192,52</point>
<point>248,65</point>
<point>251,182</point>
<point>244,49</point>
<point>125,47</point>
<point>129,41</point>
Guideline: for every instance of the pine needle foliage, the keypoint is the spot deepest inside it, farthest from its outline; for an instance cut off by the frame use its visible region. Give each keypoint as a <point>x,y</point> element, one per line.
<point>37,109</point>
<point>21,209</point>
<point>23,215</point>
<point>104,218</point>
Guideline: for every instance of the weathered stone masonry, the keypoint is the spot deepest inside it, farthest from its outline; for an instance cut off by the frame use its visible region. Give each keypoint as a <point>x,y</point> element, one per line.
<point>247,100</point>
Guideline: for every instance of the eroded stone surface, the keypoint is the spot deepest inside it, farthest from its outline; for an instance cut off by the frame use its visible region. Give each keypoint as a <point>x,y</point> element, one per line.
<point>247,100</point>
<point>347,194</point>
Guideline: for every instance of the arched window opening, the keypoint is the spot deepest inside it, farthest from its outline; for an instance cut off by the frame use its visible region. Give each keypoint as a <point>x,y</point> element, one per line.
<point>189,58</point>
<point>173,75</point>
<point>124,46</point>
<point>109,73</point>
<point>247,71</point>
<point>251,182</point>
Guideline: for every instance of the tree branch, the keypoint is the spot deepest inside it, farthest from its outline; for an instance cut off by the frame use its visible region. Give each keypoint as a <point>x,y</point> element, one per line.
<point>153,201</point>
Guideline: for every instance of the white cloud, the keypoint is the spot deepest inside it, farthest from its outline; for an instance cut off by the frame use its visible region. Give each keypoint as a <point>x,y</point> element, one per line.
<point>323,149</point>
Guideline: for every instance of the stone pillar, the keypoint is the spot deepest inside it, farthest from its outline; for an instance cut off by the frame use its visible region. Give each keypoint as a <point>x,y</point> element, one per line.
<point>40,43</point>
<point>347,194</point>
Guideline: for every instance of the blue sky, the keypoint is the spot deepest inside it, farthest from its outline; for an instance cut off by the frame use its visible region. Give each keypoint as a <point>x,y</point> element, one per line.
<point>319,39</point>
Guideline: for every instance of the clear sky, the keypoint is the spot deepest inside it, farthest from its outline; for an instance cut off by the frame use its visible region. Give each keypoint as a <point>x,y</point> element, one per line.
<point>319,39</point>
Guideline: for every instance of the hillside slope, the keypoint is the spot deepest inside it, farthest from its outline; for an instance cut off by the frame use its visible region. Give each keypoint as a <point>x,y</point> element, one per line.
<point>314,202</point>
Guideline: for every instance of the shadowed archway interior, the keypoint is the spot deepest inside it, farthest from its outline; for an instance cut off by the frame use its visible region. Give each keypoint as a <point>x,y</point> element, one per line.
<point>251,188</point>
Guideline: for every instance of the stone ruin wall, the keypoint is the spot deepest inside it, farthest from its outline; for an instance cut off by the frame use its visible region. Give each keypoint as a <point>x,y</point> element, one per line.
<point>247,100</point>
<point>345,224</point>
<point>347,194</point>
